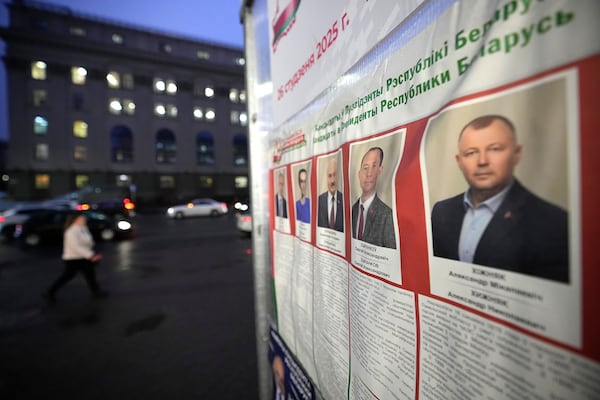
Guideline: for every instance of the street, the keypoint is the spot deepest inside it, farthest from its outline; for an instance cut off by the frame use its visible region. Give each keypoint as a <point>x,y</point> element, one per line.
<point>178,322</point>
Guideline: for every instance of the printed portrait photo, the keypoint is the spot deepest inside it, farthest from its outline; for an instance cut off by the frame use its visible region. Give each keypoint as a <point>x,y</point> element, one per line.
<point>498,187</point>
<point>501,187</point>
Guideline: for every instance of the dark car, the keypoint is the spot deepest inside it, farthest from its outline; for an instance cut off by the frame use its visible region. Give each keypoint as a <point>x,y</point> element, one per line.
<point>115,201</point>
<point>10,218</point>
<point>48,227</point>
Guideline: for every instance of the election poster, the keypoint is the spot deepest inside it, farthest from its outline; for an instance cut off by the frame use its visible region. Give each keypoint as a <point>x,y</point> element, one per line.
<point>433,211</point>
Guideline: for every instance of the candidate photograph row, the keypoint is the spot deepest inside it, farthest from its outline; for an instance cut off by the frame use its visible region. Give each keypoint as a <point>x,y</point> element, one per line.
<point>496,177</point>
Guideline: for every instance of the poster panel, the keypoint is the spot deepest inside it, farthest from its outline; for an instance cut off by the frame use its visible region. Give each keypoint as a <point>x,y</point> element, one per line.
<point>313,42</point>
<point>479,136</point>
<point>521,268</point>
<point>290,382</point>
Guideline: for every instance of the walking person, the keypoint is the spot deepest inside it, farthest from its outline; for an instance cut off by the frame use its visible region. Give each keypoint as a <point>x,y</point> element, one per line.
<point>79,256</point>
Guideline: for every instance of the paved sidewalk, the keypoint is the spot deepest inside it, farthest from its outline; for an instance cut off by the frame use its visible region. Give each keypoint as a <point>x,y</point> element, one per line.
<point>173,327</point>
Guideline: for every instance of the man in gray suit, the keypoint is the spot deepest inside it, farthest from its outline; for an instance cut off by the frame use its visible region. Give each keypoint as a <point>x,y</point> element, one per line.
<point>372,219</point>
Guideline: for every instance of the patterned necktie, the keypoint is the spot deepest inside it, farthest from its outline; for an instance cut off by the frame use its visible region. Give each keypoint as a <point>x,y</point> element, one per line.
<point>361,223</point>
<point>332,214</point>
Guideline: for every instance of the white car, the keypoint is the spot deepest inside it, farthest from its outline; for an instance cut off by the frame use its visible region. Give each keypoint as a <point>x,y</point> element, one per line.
<point>197,208</point>
<point>244,222</point>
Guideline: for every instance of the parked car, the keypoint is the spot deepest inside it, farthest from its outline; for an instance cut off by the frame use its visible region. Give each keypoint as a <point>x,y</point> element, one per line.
<point>108,200</point>
<point>10,218</point>
<point>48,227</point>
<point>244,222</point>
<point>198,207</point>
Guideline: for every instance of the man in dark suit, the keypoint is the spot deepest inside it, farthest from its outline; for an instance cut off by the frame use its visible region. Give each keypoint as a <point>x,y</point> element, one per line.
<point>498,222</point>
<point>372,219</point>
<point>331,203</point>
<point>280,202</point>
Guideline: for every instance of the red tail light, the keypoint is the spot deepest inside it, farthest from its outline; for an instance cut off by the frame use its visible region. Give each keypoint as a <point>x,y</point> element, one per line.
<point>128,204</point>
<point>2,219</point>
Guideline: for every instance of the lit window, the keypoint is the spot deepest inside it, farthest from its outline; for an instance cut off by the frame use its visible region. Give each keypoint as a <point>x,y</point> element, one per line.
<point>166,48</point>
<point>38,70</point>
<point>39,97</point>
<point>243,118</point>
<point>40,125</point>
<point>42,151</point>
<point>159,85</point>
<point>78,75</point>
<point>209,92</point>
<point>205,181</point>
<point>80,153</point>
<point>203,55</point>
<point>128,107</point>
<point>241,182</point>
<point>42,181</point>
<point>240,61</point>
<point>81,181</point>
<point>123,180</point>
<point>160,110</point>
<point>171,87</point>
<point>114,106</point>
<point>165,110</point>
<point>113,79</point>
<point>77,31</point>
<point>117,38</point>
<point>234,117</point>
<point>171,110</point>
<point>198,113</point>
<point>80,129</point>
<point>210,114</point>
<point>167,182</point>
<point>234,95</point>
<point>128,81</point>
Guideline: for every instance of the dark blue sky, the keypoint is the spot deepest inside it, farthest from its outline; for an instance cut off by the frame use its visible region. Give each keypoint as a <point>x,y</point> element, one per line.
<point>210,20</point>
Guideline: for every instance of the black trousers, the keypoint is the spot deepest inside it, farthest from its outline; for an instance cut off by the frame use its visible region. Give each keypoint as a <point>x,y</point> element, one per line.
<point>72,267</point>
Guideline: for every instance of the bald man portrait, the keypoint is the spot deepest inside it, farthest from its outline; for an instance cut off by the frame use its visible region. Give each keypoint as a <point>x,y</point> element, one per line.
<point>497,222</point>
<point>331,202</point>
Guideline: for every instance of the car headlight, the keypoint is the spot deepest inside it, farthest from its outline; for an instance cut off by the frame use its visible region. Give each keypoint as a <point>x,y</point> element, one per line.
<point>124,225</point>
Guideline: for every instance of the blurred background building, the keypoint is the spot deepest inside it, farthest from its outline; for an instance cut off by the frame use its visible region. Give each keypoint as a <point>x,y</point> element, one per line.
<point>95,102</point>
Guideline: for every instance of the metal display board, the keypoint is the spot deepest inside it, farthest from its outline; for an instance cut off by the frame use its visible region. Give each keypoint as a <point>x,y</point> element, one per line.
<point>424,197</point>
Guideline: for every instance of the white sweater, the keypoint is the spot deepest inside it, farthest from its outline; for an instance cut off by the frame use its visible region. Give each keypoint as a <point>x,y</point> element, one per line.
<point>77,243</point>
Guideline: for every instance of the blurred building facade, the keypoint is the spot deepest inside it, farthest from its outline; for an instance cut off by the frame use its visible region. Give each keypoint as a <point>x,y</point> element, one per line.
<point>95,102</point>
